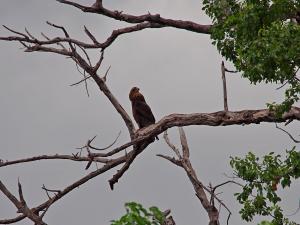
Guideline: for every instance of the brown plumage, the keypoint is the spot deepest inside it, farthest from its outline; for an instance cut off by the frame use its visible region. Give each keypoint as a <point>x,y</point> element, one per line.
<point>140,109</point>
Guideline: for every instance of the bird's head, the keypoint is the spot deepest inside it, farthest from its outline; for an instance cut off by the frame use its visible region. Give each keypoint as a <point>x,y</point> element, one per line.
<point>134,89</point>
<point>133,92</point>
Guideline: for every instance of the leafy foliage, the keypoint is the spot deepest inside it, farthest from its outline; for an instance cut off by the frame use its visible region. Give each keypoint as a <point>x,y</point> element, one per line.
<point>136,214</point>
<point>262,178</point>
<point>262,39</point>
<point>265,223</point>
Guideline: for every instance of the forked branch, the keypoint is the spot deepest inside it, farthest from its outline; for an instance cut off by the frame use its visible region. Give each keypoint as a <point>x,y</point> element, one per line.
<point>183,161</point>
<point>21,204</point>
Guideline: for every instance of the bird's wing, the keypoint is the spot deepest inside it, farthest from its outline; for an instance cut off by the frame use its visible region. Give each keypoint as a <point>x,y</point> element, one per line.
<point>143,110</point>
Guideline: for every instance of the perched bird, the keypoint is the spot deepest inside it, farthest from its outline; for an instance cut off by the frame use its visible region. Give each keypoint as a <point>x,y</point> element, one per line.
<point>140,109</point>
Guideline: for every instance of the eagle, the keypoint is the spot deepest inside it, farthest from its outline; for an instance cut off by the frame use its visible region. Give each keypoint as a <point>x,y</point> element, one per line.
<point>141,111</point>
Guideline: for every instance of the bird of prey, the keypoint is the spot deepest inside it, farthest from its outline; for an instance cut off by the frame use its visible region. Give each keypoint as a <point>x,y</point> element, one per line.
<point>141,111</point>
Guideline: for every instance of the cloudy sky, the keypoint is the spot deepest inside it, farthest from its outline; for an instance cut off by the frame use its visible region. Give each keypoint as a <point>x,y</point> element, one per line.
<point>178,72</point>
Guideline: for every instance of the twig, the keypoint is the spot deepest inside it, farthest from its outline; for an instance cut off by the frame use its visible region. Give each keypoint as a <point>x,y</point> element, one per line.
<point>25,45</point>
<point>96,67</point>
<point>231,71</point>
<point>86,55</point>
<point>296,211</point>
<point>16,32</point>
<point>296,141</point>
<point>50,190</point>
<point>104,148</point>
<point>85,84</point>
<point>105,76</point>
<point>92,37</point>
<point>98,4</point>
<point>58,43</point>
<point>22,200</point>
<point>171,159</point>
<point>281,86</point>
<point>67,36</point>
<point>83,80</point>
<point>29,34</point>
<point>173,147</point>
<point>91,155</point>
<point>184,144</point>
<point>226,182</point>
<point>224,87</point>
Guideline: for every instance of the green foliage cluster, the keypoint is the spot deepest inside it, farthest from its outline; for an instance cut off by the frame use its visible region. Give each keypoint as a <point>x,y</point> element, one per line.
<point>265,223</point>
<point>261,177</point>
<point>261,39</point>
<point>136,214</point>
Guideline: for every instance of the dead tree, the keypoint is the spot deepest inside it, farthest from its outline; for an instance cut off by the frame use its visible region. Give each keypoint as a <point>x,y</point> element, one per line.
<point>78,51</point>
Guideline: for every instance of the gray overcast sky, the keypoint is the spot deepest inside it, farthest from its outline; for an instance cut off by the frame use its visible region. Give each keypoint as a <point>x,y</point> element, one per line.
<point>177,71</point>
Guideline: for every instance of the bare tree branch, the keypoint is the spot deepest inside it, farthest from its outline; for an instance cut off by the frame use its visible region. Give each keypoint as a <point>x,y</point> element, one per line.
<point>14,220</point>
<point>184,162</point>
<point>38,46</point>
<point>83,80</point>
<point>219,118</point>
<point>98,64</point>
<point>98,4</point>
<point>137,149</point>
<point>115,34</point>
<point>56,156</point>
<point>170,144</point>
<point>50,190</point>
<point>157,19</point>
<point>16,32</point>
<point>104,148</point>
<point>281,86</point>
<point>91,36</point>
<point>224,87</point>
<point>106,73</point>
<point>171,159</point>
<point>226,182</point>
<point>294,140</point>
<point>209,119</point>
<point>83,180</point>
<point>231,71</point>
<point>21,205</point>
<point>184,144</point>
